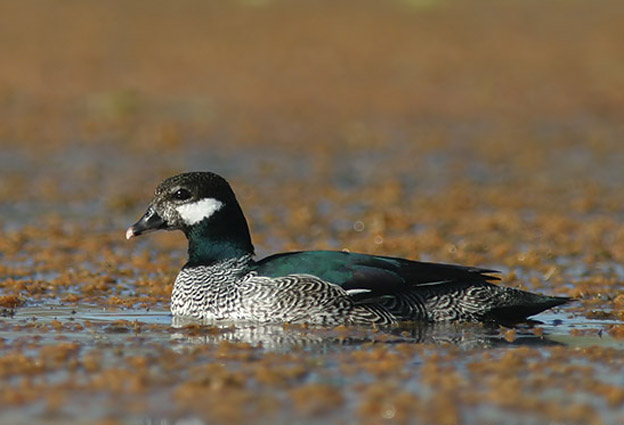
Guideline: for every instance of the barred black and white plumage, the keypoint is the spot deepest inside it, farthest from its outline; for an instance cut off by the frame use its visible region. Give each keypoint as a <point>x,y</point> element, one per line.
<point>222,281</point>
<point>223,291</point>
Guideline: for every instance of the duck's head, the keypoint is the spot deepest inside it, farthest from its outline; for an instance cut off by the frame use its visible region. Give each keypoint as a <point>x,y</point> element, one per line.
<point>202,205</point>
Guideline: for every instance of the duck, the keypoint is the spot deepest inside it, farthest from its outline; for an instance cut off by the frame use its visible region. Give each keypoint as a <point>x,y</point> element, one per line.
<point>223,282</point>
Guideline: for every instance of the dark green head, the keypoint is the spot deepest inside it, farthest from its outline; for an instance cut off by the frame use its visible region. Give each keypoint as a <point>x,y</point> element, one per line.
<point>204,207</point>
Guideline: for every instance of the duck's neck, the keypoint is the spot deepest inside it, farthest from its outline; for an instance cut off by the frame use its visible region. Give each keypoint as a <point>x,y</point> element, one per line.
<point>219,238</point>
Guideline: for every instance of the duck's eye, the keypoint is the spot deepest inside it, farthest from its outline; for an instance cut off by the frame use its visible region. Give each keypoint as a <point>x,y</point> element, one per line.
<point>182,194</point>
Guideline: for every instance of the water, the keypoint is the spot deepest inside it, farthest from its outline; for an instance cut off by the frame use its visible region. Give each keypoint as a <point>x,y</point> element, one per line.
<point>556,328</point>
<point>118,339</point>
<point>421,129</point>
<point>114,353</point>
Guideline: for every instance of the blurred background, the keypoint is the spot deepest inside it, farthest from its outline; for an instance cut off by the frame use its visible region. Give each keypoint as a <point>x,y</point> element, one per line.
<point>487,133</point>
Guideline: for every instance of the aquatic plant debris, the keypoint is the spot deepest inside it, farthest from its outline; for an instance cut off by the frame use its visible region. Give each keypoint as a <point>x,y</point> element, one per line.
<point>483,134</point>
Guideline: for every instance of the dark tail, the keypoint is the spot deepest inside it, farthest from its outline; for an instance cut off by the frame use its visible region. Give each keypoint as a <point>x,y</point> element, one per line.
<point>520,305</point>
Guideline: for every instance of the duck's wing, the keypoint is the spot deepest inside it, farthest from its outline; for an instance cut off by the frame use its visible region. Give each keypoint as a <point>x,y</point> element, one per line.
<point>369,276</point>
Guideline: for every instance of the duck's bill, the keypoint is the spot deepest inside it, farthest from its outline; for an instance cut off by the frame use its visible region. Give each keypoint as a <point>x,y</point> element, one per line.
<point>150,222</point>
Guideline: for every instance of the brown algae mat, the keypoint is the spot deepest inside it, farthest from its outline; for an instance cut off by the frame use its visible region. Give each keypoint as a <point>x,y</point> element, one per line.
<point>480,133</point>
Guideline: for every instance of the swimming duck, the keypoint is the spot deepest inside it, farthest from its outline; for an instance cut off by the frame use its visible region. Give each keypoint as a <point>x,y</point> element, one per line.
<point>222,281</point>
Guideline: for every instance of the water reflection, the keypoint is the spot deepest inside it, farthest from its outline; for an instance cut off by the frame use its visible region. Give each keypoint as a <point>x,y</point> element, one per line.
<point>158,326</point>
<point>285,337</point>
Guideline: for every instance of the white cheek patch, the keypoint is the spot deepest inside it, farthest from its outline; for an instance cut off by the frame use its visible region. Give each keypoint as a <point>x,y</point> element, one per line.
<point>197,211</point>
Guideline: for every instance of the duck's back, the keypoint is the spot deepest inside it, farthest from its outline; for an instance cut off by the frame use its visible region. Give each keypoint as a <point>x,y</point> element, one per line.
<point>402,289</point>
<point>330,288</point>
